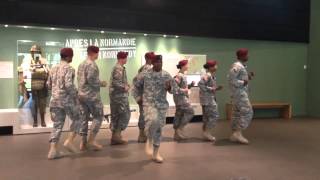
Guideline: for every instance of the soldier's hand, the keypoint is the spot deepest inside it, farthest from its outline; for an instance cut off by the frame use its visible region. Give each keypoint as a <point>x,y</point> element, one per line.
<point>251,75</point>
<point>104,83</point>
<point>127,88</point>
<point>167,85</point>
<point>186,90</point>
<point>219,88</point>
<point>81,99</point>
<point>245,82</point>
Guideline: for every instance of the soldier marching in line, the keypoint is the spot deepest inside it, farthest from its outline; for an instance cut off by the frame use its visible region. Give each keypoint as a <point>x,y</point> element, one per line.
<point>242,109</point>
<point>149,56</point>
<point>89,86</point>
<point>184,111</point>
<point>64,101</point>
<point>155,84</point>
<point>119,103</point>
<point>208,88</point>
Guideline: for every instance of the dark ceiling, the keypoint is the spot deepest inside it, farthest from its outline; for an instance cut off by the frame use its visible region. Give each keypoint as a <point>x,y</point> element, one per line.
<point>280,20</point>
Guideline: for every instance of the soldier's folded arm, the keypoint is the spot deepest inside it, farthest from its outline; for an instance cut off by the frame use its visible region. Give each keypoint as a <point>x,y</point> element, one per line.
<point>137,90</point>
<point>176,89</point>
<point>234,73</point>
<point>69,84</point>
<point>93,78</point>
<point>169,83</point>
<point>117,82</point>
<point>202,85</point>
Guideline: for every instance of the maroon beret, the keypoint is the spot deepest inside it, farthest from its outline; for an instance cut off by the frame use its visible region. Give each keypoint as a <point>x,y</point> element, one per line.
<point>210,63</point>
<point>93,49</point>
<point>157,58</point>
<point>242,53</point>
<point>66,52</point>
<point>182,63</point>
<point>122,55</point>
<point>149,55</point>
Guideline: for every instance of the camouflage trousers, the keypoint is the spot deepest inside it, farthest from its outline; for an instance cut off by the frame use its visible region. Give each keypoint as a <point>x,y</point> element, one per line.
<point>210,115</point>
<point>120,113</point>
<point>39,101</point>
<point>155,120</point>
<point>141,123</point>
<point>242,112</point>
<point>58,116</point>
<point>184,114</point>
<point>95,109</point>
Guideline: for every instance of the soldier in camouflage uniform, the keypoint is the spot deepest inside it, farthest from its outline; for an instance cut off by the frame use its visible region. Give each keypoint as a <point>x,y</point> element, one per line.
<point>89,94</point>
<point>64,101</point>
<point>142,135</point>
<point>119,103</point>
<point>242,110</point>
<point>184,110</point>
<point>208,88</point>
<point>155,84</point>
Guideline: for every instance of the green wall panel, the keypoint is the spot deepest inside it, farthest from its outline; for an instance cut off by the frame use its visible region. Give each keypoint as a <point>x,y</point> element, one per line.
<point>313,89</point>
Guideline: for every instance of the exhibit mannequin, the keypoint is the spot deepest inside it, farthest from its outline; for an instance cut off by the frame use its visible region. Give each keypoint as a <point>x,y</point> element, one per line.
<point>208,88</point>
<point>184,111</point>
<point>39,74</point>
<point>119,102</point>
<point>242,109</point>
<point>89,86</point>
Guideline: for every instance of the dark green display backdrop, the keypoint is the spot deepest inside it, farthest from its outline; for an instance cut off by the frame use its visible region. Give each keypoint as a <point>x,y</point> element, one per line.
<point>279,66</point>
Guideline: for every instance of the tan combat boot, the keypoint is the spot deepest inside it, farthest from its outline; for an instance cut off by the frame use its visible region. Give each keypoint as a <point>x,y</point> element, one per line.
<point>156,157</point>
<point>83,143</point>
<point>116,138</point>
<point>149,147</point>
<point>208,136</point>
<point>53,152</point>
<point>92,143</point>
<point>237,137</point>
<point>179,135</point>
<point>68,143</point>
<point>142,136</point>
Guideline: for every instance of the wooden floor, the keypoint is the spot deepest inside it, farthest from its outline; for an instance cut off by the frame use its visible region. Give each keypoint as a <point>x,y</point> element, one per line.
<point>279,150</point>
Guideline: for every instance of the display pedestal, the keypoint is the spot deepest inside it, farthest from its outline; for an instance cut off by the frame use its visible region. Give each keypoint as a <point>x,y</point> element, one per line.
<point>7,117</point>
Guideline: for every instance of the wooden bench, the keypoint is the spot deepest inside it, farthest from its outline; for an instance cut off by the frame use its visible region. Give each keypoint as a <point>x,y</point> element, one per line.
<point>285,108</point>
